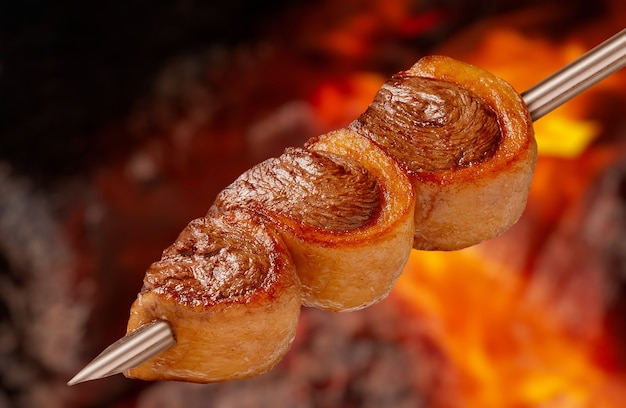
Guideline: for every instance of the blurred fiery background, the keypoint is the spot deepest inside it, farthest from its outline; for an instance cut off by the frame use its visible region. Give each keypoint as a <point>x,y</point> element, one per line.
<point>121,121</point>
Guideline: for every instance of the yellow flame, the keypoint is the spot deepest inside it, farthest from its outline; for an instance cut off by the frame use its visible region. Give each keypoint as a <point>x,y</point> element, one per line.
<point>562,135</point>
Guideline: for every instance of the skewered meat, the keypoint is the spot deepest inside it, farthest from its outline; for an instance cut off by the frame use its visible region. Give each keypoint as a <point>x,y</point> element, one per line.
<point>442,159</point>
<point>228,288</point>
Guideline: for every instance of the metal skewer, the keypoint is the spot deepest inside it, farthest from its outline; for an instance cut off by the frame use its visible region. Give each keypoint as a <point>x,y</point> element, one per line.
<point>153,338</point>
<point>592,67</point>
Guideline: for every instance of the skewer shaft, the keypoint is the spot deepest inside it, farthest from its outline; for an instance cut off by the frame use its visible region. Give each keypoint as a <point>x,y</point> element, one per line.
<point>153,338</point>
<point>595,65</point>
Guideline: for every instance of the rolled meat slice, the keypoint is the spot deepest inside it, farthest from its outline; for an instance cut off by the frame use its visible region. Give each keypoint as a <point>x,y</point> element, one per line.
<point>442,159</point>
<point>228,288</point>
<point>466,140</point>
<point>345,211</point>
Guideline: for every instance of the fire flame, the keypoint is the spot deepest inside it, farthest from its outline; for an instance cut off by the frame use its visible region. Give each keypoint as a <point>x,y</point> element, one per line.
<point>507,353</point>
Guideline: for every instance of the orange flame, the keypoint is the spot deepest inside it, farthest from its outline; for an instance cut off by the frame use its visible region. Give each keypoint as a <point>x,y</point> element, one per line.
<point>507,353</point>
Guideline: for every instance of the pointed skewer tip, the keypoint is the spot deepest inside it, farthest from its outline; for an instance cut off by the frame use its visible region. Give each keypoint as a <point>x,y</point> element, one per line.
<point>130,351</point>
